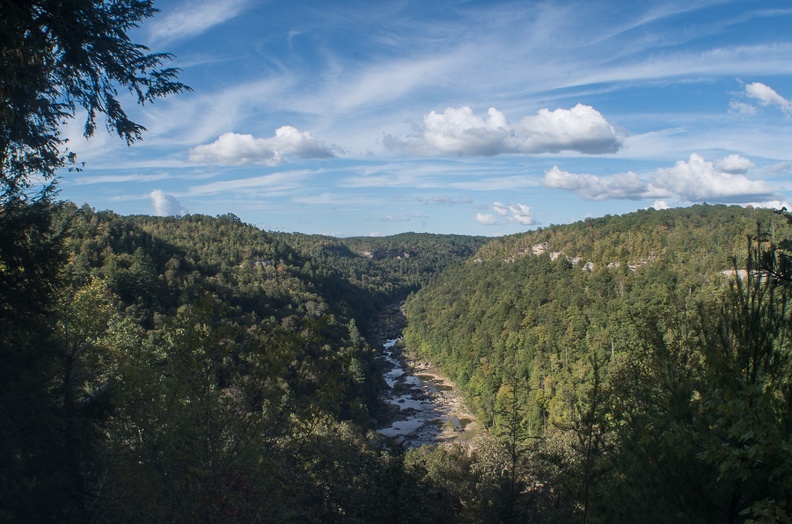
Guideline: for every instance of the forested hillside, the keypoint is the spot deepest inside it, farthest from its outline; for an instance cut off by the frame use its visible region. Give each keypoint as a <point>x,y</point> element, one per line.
<point>200,369</point>
<point>651,384</point>
<point>196,368</point>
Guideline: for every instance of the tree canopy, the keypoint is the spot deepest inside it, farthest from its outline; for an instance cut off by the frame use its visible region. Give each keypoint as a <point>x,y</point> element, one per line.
<point>60,56</point>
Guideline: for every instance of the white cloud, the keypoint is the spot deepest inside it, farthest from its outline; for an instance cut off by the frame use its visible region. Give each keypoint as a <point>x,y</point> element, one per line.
<point>401,218</point>
<point>442,200</point>
<point>495,183</point>
<point>734,165</point>
<point>764,95</point>
<point>519,213</point>
<point>238,149</point>
<point>500,209</point>
<point>461,132</point>
<point>771,204</point>
<point>193,18</point>
<point>781,168</point>
<point>592,187</point>
<point>115,179</point>
<point>272,183</point>
<point>389,81</point>
<point>522,214</point>
<point>581,128</point>
<point>695,180</point>
<point>767,96</point>
<point>486,219</point>
<point>165,204</point>
<point>698,180</point>
<point>660,204</point>
<point>742,108</point>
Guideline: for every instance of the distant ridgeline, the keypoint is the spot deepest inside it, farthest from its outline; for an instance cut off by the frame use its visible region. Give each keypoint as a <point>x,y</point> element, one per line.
<point>533,307</point>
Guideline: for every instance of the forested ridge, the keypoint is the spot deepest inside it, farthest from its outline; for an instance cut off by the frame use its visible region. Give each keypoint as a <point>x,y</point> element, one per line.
<point>641,361</point>
<point>198,368</point>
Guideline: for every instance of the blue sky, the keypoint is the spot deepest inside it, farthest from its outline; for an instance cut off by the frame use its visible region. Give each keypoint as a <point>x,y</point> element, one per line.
<point>354,118</point>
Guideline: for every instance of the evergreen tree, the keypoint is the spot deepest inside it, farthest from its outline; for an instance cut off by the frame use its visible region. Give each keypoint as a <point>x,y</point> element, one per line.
<point>56,56</point>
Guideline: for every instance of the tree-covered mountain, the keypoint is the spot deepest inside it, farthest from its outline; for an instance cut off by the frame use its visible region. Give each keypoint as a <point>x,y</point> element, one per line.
<point>625,346</point>
<point>198,368</point>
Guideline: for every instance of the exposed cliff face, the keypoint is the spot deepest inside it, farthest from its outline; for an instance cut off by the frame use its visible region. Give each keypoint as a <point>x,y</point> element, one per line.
<point>382,254</point>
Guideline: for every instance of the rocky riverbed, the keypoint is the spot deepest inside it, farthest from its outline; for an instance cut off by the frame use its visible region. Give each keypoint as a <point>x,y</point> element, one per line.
<point>425,407</point>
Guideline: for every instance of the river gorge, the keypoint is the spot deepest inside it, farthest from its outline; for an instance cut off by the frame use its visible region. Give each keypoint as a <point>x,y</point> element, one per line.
<point>425,407</point>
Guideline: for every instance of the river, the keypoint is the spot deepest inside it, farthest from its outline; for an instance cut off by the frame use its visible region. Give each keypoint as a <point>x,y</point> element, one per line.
<point>425,406</point>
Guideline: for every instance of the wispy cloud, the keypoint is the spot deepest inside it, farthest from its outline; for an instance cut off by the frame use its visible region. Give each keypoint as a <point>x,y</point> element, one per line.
<point>335,199</point>
<point>442,200</point>
<point>496,183</point>
<point>274,182</point>
<point>120,179</point>
<point>404,91</point>
<point>193,18</point>
<point>401,218</point>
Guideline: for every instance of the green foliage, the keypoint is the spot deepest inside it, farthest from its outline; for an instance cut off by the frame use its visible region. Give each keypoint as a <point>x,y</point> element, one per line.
<point>200,369</point>
<point>32,470</point>
<point>197,369</point>
<point>646,374</point>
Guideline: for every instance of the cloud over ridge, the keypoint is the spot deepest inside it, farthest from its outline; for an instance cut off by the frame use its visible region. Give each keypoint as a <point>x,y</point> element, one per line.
<point>165,204</point>
<point>694,180</point>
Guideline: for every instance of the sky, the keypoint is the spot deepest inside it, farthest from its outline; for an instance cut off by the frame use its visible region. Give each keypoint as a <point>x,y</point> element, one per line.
<point>357,118</point>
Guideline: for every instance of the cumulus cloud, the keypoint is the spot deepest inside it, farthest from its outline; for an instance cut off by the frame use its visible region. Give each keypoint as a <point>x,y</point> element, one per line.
<point>762,94</point>
<point>165,204</point>
<point>519,213</point>
<point>660,204</point>
<point>238,149</point>
<point>698,180</point>
<point>694,180</point>
<point>522,214</point>
<point>734,165</point>
<point>486,219</point>
<point>461,132</point>
<point>516,213</point>
<point>770,204</point>
<point>500,209</point>
<point>592,187</point>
